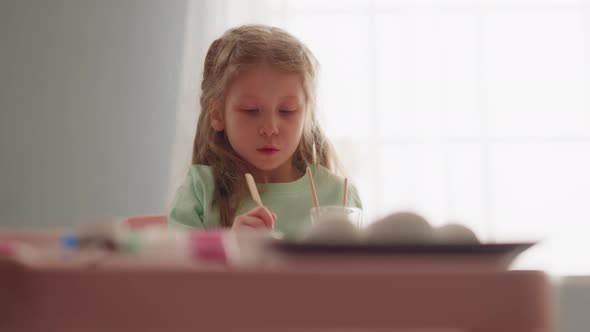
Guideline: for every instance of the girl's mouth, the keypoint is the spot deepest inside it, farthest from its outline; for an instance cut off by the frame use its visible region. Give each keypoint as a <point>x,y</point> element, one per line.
<point>268,149</point>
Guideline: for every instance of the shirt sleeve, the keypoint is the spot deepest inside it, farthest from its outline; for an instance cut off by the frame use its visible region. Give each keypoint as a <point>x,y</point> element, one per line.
<point>187,207</point>
<point>354,199</point>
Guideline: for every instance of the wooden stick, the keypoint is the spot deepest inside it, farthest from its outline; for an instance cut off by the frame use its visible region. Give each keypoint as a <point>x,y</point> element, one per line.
<point>345,192</point>
<point>316,203</point>
<point>253,190</point>
<point>314,157</point>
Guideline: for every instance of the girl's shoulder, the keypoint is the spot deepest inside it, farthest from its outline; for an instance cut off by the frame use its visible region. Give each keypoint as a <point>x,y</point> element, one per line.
<point>326,178</point>
<point>201,174</point>
<point>323,174</point>
<point>201,170</point>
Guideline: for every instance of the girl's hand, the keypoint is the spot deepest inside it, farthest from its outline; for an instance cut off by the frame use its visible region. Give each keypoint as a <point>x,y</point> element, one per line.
<point>257,218</point>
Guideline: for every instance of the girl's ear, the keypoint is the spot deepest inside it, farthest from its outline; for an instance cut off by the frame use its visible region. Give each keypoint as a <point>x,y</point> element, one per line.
<point>216,118</point>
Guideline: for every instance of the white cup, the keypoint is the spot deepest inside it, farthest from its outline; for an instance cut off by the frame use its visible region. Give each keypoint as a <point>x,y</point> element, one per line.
<point>352,214</point>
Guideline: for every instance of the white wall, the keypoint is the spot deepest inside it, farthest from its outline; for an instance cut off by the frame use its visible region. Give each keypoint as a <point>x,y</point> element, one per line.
<point>88,93</point>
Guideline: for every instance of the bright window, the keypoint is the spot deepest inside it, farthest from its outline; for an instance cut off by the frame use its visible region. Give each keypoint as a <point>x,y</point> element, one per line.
<point>464,110</point>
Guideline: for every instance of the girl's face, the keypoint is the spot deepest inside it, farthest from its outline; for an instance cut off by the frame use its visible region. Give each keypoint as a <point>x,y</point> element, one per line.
<point>263,117</point>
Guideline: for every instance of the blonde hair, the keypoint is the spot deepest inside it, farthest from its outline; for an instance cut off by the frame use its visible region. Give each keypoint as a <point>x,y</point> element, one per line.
<point>236,50</point>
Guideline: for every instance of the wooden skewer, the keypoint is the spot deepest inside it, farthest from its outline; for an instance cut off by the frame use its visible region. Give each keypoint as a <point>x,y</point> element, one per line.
<point>253,190</point>
<point>316,203</point>
<point>345,192</point>
<point>314,157</point>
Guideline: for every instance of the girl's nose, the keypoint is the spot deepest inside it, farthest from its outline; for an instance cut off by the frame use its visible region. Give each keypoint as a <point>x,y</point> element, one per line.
<point>269,126</point>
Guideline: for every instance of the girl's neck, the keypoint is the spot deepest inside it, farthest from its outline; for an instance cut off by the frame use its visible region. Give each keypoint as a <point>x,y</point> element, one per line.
<point>283,174</point>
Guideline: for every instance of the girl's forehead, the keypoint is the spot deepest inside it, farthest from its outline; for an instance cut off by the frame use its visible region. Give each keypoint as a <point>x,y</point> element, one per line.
<point>264,80</point>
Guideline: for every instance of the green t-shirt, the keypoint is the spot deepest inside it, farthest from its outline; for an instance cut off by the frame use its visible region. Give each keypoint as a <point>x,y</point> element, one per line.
<point>291,202</point>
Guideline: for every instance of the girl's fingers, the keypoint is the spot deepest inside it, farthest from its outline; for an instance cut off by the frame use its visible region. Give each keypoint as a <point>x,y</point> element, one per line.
<point>246,221</point>
<point>259,217</point>
<point>264,214</point>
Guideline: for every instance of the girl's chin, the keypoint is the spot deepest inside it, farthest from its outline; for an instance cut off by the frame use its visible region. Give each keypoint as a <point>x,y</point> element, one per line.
<point>266,166</point>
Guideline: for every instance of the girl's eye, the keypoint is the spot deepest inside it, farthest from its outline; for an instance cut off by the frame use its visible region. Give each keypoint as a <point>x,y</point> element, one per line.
<point>286,111</point>
<point>250,110</point>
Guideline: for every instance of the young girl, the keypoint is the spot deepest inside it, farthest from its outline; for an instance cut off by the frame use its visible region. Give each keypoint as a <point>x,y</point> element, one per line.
<point>258,116</point>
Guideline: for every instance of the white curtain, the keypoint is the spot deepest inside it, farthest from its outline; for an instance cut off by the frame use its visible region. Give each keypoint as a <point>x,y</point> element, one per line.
<point>465,110</point>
